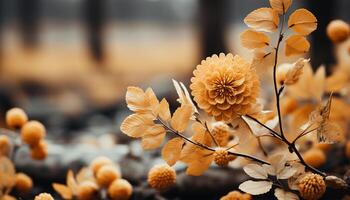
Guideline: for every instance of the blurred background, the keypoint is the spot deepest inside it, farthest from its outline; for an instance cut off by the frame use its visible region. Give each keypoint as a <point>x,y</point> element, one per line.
<point>68,62</point>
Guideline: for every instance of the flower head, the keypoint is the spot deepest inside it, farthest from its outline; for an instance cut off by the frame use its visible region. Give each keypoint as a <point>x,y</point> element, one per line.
<point>44,196</point>
<point>107,174</point>
<point>161,176</point>
<point>312,186</point>
<point>23,182</point>
<point>5,145</point>
<point>16,117</point>
<point>236,195</point>
<point>222,157</point>
<point>338,31</point>
<point>32,132</point>
<point>221,133</point>
<point>120,189</point>
<point>225,86</point>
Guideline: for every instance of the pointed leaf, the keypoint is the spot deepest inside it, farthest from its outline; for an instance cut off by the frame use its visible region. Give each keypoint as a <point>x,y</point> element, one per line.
<point>252,39</point>
<point>255,187</point>
<point>171,151</point>
<point>263,19</point>
<point>296,44</point>
<point>284,195</point>
<point>181,117</point>
<point>63,190</point>
<point>153,141</point>
<point>302,22</point>
<point>294,73</point>
<point>164,111</point>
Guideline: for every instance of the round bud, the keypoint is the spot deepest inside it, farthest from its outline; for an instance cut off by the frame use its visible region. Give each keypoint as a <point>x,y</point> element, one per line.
<point>40,151</point>
<point>5,145</point>
<point>236,195</point>
<point>87,190</point>
<point>9,197</point>
<point>107,174</point>
<point>23,183</point>
<point>315,157</point>
<point>161,176</point>
<point>323,146</point>
<point>222,157</point>
<point>16,118</point>
<point>120,189</point>
<point>312,186</point>
<point>338,31</point>
<point>221,133</point>
<point>44,196</point>
<point>98,162</point>
<point>32,132</point>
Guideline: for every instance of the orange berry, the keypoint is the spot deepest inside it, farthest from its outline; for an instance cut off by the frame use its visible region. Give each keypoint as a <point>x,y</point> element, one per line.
<point>107,174</point>
<point>312,186</point>
<point>98,162</point>
<point>16,118</point>
<point>315,157</point>
<point>5,145</point>
<point>347,149</point>
<point>323,146</point>
<point>87,190</point>
<point>236,195</point>
<point>32,132</point>
<point>120,189</point>
<point>222,157</point>
<point>23,183</point>
<point>161,176</point>
<point>44,196</point>
<point>338,30</point>
<point>40,151</point>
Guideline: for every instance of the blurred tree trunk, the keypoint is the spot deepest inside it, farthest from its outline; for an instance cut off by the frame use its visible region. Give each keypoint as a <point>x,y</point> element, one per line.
<point>321,47</point>
<point>94,22</point>
<point>212,26</point>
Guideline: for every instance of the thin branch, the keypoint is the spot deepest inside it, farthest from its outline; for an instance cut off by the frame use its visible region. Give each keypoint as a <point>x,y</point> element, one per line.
<point>302,134</point>
<point>209,148</point>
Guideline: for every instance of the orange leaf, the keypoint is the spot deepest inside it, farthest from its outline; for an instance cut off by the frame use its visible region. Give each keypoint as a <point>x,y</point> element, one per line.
<point>281,6</point>
<point>181,118</point>
<point>263,19</point>
<point>296,44</point>
<point>136,125</point>
<point>253,39</point>
<point>302,22</point>
<point>153,137</point>
<point>63,190</point>
<point>163,110</point>
<point>171,151</point>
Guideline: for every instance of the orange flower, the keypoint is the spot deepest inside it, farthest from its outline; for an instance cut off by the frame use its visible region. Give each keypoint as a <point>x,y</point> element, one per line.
<point>225,86</point>
<point>311,186</point>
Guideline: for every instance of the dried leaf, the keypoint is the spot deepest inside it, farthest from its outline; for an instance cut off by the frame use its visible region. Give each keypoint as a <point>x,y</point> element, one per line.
<point>184,95</point>
<point>84,174</point>
<point>284,195</point>
<point>152,99</point>
<point>7,173</point>
<point>153,137</point>
<point>136,125</point>
<point>136,99</point>
<point>329,132</point>
<point>302,22</point>
<point>63,190</point>
<point>71,182</point>
<point>164,111</point>
<point>198,166</point>
<point>181,118</point>
<point>296,44</point>
<point>255,187</point>
<point>281,6</point>
<point>294,73</point>
<point>335,182</point>
<point>286,173</point>
<point>255,171</point>
<point>263,19</point>
<point>252,39</point>
<point>171,151</point>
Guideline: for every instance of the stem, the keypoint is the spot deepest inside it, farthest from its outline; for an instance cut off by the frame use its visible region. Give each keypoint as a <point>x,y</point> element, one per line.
<point>209,148</point>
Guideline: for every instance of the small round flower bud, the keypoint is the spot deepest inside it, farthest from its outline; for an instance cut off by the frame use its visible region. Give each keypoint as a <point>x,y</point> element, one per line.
<point>221,133</point>
<point>338,30</point>
<point>161,176</point>
<point>312,186</point>
<point>107,174</point>
<point>98,162</point>
<point>236,195</point>
<point>16,118</point>
<point>5,145</point>
<point>347,149</point>
<point>40,151</point>
<point>120,189</point>
<point>32,132</point>
<point>23,183</point>
<point>315,157</point>
<point>8,197</point>
<point>87,190</point>
<point>222,157</point>
<point>44,196</point>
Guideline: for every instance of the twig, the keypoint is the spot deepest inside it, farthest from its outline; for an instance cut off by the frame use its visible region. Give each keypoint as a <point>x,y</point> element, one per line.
<point>209,148</point>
